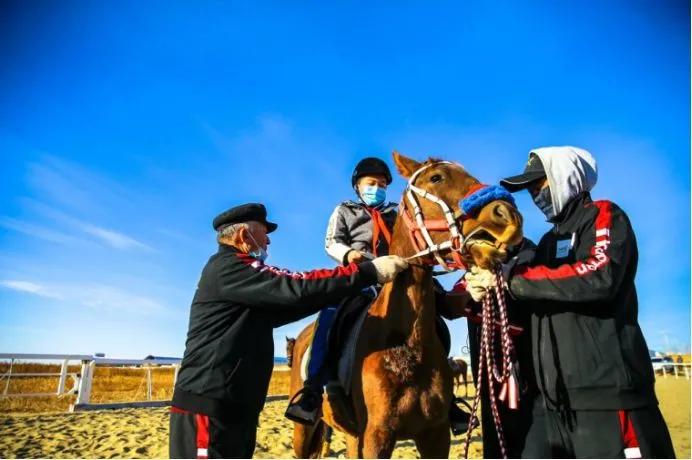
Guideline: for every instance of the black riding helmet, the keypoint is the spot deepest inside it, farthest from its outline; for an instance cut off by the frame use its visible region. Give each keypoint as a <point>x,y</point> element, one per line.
<point>371,166</point>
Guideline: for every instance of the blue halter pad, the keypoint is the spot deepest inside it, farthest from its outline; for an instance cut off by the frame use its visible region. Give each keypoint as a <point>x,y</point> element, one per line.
<point>474,202</point>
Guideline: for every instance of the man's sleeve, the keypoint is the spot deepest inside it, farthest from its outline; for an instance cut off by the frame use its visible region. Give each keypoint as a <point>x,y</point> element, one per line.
<point>254,284</point>
<point>335,241</point>
<point>453,304</point>
<point>594,278</point>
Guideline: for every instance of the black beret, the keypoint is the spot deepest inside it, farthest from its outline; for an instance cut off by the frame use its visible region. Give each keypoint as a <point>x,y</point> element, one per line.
<point>244,213</point>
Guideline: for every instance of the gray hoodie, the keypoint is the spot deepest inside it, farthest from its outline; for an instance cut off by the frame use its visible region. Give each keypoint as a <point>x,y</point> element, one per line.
<point>570,171</point>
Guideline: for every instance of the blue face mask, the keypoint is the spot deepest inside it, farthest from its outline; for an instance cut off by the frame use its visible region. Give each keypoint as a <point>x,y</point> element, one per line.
<point>372,195</point>
<point>260,253</point>
<point>544,201</point>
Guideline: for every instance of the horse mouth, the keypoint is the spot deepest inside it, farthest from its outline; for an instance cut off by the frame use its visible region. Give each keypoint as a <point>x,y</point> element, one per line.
<point>486,249</point>
<point>484,238</point>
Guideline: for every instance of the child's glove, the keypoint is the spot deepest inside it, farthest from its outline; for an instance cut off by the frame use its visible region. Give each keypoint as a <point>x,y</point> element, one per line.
<point>355,256</point>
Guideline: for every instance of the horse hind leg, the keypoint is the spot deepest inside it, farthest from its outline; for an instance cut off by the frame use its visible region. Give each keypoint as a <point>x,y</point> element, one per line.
<point>351,446</point>
<point>434,443</point>
<point>326,444</point>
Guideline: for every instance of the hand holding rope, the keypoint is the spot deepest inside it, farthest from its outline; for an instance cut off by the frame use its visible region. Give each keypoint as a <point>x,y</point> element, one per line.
<point>487,367</point>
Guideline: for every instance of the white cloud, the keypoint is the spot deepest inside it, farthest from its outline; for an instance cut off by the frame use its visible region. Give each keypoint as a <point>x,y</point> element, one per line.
<point>69,184</point>
<point>97,296</point>
<point>71,204</point>
<point>31,288</point>
<point>113,238</point>
<point>52,218</point>
<point>43,232</point>
<point>109,298</point>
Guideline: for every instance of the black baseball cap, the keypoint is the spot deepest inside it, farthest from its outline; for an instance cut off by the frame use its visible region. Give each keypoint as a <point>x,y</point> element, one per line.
<point>532,172</point>
<point>244,213</point>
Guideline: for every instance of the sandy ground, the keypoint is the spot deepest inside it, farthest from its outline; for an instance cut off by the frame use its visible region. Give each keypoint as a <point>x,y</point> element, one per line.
<point>143,433</point>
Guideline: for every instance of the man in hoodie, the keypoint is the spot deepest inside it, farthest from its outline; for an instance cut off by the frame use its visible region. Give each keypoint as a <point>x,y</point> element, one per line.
<point>590,357</point>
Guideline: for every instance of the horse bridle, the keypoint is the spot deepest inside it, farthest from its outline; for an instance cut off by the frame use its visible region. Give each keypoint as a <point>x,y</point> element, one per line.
<point>420,228</point>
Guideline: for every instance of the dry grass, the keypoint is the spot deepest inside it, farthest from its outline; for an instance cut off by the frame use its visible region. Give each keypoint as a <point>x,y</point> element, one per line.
<point>280,382</point>
<point>110,384</point>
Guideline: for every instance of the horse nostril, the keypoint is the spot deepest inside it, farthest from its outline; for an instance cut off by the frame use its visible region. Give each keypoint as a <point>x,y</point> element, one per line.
<point>501,212</point>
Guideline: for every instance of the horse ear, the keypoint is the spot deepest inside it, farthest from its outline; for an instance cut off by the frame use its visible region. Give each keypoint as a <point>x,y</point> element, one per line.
<point>406,166</point>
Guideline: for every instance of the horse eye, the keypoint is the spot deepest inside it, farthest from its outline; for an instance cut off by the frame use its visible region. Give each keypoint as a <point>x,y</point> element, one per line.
<point>436,178</point>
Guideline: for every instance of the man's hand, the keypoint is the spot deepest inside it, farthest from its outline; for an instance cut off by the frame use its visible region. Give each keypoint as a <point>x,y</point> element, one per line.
<point>388,267</point>
<point>354,256</point>
<point>478,282</point>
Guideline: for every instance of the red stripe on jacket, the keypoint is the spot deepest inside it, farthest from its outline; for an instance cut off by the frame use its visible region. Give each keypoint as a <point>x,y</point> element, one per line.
<point>323,273</point>
<point>599,252</point>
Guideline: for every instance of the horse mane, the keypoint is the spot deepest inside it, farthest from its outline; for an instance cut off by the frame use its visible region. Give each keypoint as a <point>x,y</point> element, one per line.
<point>432,160</point>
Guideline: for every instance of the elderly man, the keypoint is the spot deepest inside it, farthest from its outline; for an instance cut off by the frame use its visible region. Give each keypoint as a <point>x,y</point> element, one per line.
<point>590,357</point>
<point>228,360</point>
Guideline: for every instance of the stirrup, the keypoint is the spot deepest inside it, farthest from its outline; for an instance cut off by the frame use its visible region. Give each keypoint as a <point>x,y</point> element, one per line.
<point>296,413</point>
<point>459,427</point>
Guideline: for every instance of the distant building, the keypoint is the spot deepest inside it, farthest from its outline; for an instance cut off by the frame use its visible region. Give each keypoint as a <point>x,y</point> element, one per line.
<point>160,357</point>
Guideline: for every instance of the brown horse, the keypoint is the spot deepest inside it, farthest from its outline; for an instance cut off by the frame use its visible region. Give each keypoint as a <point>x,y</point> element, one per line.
<point>402,384</point>
<point>459,373</point>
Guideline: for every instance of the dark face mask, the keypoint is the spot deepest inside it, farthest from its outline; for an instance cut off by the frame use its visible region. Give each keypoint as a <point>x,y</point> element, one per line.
<point>544,201</point>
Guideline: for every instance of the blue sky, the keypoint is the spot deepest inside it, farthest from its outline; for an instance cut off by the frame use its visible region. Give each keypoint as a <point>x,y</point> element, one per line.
<point>125,128</point>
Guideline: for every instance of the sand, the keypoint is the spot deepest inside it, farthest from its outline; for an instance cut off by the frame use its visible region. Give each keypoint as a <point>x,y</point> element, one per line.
<point>143,433</point>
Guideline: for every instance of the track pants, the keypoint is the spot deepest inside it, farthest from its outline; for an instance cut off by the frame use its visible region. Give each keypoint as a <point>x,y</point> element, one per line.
<point>319,348</point>
<point>516,424</point>
<point>638,433</point>
<point>202,436</point>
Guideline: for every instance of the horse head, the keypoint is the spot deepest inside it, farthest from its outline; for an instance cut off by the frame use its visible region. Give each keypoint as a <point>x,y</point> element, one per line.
<point>454,218</point>
<point>290,344</point>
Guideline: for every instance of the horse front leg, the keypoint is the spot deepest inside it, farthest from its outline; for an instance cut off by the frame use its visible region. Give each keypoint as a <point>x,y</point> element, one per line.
<point>434,443</point>
<point>376,442</point>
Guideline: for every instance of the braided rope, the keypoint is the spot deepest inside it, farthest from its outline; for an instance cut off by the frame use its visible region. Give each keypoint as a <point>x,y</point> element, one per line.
<point>487,367</point>
<point>507,346</point>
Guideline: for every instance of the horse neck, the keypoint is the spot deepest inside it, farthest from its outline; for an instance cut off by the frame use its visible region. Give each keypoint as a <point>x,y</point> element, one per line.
<point>409,301</point>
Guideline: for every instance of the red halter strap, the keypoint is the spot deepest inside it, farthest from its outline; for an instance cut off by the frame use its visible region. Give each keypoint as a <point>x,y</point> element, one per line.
<point>474,189</point>
<point>432,225</point>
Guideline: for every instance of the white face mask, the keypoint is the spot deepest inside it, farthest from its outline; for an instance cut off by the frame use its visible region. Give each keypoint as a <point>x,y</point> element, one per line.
<point>260,253</point>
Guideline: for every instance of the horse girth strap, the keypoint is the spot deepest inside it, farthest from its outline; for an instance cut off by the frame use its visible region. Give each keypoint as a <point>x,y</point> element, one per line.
<point>379,226</point>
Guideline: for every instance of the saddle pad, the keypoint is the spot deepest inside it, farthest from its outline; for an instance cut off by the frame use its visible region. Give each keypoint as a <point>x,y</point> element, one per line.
<point>304,363</point>
<point>348,348</point>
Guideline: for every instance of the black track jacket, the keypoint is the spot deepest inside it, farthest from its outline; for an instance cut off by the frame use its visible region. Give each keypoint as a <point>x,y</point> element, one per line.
<point>588,349</point>
<point>229,353</point>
